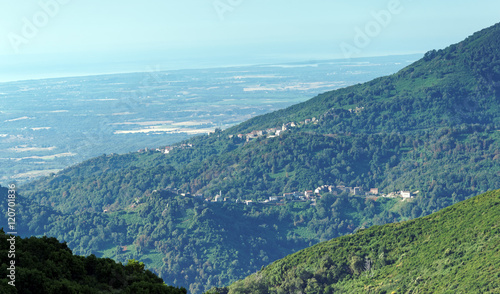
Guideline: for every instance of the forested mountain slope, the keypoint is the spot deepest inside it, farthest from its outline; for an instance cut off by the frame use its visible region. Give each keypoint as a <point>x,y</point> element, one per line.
<point>455,250</point>
<point>44,265</point>
<point>456,85</point>
<point>432,128</point>
<point>199,244</point>
<point>437,118</point>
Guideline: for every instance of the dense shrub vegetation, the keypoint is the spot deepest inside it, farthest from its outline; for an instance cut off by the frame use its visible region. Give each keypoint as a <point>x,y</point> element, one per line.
<point>432,127</point>
<point>44,265</point>
<point>452,251</point>
<point>199,244</point>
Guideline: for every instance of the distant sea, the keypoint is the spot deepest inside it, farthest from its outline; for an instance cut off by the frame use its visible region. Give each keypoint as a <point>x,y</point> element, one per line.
<point>31,67</point>
<point>56,112</point>
<point>16,68</point>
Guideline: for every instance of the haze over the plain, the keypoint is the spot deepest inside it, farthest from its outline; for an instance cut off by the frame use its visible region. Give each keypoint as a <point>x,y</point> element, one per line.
<point>57,38</point>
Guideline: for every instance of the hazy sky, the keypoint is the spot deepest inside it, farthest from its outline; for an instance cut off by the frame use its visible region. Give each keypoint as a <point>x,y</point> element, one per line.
<point>63,33</point>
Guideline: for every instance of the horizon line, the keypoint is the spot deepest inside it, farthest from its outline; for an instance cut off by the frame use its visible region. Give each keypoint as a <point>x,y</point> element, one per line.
<point>83,75</point>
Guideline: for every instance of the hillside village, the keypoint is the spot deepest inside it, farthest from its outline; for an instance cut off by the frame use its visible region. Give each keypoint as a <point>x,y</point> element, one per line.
<point>297,196</point>
<point>268,133</point>
<point>275,132</point>
<point>272,132</point>
<point>308,195</point>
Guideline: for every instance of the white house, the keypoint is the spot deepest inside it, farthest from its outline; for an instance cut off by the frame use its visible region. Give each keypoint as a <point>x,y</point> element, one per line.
<point>405,194</point>
<point>218,197</point>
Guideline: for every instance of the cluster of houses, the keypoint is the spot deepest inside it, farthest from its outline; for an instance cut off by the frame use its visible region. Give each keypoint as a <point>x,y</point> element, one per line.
<point>269,133</point>
<point>356,110</point>
<point>308,195</point>
<point>358,191</point>
<point>272,132</point>
<point>274,200</point>
<point>167,149</point>
<point>402,194</point>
